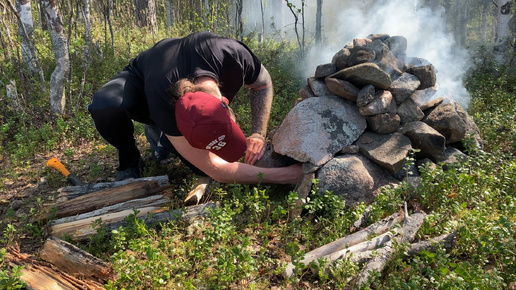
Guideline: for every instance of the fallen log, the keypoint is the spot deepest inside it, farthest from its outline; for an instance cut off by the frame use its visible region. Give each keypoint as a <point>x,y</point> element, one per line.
<point>383,255</point>
<point>72,260</point>
<point>70,192</point>
<point>151,201</point>
<point>106,197</point>
<point>81,229</point>
<point>377,228</point>
<point>39,276</point>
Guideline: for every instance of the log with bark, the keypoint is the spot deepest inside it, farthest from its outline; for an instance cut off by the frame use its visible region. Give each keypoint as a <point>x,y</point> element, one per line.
<point>81,229</point>
<point>105,197</point>
<point>72,260</point>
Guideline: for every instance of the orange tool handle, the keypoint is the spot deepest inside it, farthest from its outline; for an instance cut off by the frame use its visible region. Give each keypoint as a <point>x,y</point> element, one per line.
<point>54,163</point>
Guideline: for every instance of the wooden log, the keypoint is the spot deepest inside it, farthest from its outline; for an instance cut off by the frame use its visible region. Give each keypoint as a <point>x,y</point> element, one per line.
<point>383,255</point>
<point>81,229</point>
<point>106,197</point>
<point>72,260</point>
<point>446,241</point>
<point>200,188</point>
<point>377,228</point>
<point>151,201</point>
<point>38,276</point>
<point>70,192</point>
<point>303,188</point>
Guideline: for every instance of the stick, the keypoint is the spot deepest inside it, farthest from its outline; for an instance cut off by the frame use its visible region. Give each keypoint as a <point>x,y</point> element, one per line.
<point>383,255</point>
<point>377,228</point>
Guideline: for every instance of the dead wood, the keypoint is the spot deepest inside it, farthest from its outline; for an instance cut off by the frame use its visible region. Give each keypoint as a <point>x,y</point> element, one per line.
<point>72,260</point>
<point>362,219</point>
<point>202,186</point>
<point>446,241</point>
<point>303,188</point>
<point>106,197</point>
<point>81,229</point>
<point>377,228</point>
<point>151,201</point>
<point>70,192</point>
<point>39,276</point>
<point>383,255</point>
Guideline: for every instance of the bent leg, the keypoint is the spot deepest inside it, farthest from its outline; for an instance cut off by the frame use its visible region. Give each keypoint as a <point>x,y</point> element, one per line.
<point>110,112</point>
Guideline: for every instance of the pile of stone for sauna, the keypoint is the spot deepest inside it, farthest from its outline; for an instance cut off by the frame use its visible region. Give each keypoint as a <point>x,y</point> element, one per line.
<point>359,117</point>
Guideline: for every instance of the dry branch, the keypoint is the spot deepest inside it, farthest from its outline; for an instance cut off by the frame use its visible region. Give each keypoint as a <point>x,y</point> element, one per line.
<point>39,276</point>
<point>383,255</point>
<point>70,192</point>
<point>107,197</point>
<point>377,228</point>
<point>446,241</point>
<point>81,229</point>
<point>72,260</point>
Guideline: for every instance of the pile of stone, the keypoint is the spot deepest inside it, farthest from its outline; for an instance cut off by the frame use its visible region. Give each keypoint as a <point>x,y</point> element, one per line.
<point>359,118</point>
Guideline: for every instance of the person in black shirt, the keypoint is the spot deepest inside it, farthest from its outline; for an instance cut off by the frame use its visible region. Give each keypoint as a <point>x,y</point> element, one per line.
<point>143,91</point>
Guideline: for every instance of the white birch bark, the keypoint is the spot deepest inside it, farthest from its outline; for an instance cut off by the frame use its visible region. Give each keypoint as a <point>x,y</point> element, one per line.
<point>502,30</point>
<point>28,57</point>
<point>62,59</point>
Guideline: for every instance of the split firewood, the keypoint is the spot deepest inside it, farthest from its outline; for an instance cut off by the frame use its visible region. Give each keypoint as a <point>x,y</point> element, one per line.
<point>377,228</point>
<point>81,229</point>
<point>39,276</point>
<point>383,255</point>
<point>72,260</point>
<point>70,192</point>
<point>303,188</point>
<point>106,197</point>
<point>202,186</point>
<point>151,201</point>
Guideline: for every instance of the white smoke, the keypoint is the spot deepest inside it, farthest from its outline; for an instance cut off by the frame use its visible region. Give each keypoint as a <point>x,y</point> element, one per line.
<point>424,29</point>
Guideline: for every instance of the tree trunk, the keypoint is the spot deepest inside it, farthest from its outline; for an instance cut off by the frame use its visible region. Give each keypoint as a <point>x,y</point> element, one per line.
<point>502,31</point>
<point>318,17</point>
<point>62,60</point>
<point>239,22</point>
<point>146,14</point>
<point>24,9</point>
<point>485,13</point>
<point>6,44</point>
<point>169,12</point>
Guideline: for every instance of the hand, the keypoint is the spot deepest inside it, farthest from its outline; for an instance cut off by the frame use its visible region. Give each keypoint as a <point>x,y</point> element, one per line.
<point>295,173</point>
<point>255,148</point>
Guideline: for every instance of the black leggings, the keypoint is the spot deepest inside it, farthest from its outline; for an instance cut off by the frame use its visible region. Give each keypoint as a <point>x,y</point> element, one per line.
<point>114,106</point>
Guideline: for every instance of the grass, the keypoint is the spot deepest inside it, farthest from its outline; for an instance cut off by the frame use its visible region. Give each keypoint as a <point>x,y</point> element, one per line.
<point>247,241</point>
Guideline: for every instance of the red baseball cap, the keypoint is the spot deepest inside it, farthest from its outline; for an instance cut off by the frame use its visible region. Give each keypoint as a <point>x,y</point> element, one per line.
<point>205,122</point>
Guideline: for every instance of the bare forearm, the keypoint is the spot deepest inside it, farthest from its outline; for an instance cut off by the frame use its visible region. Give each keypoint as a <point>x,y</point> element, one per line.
<point>247,174</point>
<point>261,103</point>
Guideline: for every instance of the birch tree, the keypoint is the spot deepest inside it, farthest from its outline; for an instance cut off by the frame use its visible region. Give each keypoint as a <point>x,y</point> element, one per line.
<point>146,14</point>
<point>502,30</point>
<point>26,23</point>
<point>62,59</point>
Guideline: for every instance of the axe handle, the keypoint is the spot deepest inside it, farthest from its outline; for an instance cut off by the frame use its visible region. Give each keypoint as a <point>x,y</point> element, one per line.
<point>54,163</point>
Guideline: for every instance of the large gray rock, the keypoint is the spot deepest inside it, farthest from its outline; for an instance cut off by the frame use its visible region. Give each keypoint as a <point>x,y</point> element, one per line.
<point>353,177</point>
<point>397,45</point>
<point>324,70</point>
<point>387,150</point>
<point>360,54</point>
<point>317,128</point>
<point>340,59</point>
<point>365,95</point>
<point>427,139</point>
<point>446,120</point>
<point>318,87</point>
<point>365,74</point>
<point>425,74</point>
<point>403,87</point>
<point>385,59</point>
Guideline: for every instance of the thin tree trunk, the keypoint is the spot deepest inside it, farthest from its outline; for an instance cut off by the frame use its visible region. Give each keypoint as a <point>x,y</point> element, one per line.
<point>502,31</point>
<point>59,43</point>
<point>318,27</point>
<point>7,45</point>
<point>485,12</point>
<point>26,23</point>
<point>86,61</point>
<point>169,12</point>
<point>31,47</point>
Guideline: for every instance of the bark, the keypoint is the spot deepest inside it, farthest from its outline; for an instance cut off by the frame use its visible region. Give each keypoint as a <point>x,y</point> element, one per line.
<point>7,44</point>
<point>169,12</point>
<point>62,59</point>
<point>239,22</point>
<point>318,26</point>
<point>485,13</point>
<point>86,61</point>
<point>72,260</point>
<point>502,31</point>
<point>146,14</point>
<point>26,23</point>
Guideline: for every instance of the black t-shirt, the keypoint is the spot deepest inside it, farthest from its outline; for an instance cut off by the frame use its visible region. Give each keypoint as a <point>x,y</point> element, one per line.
<point>228,61</point>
